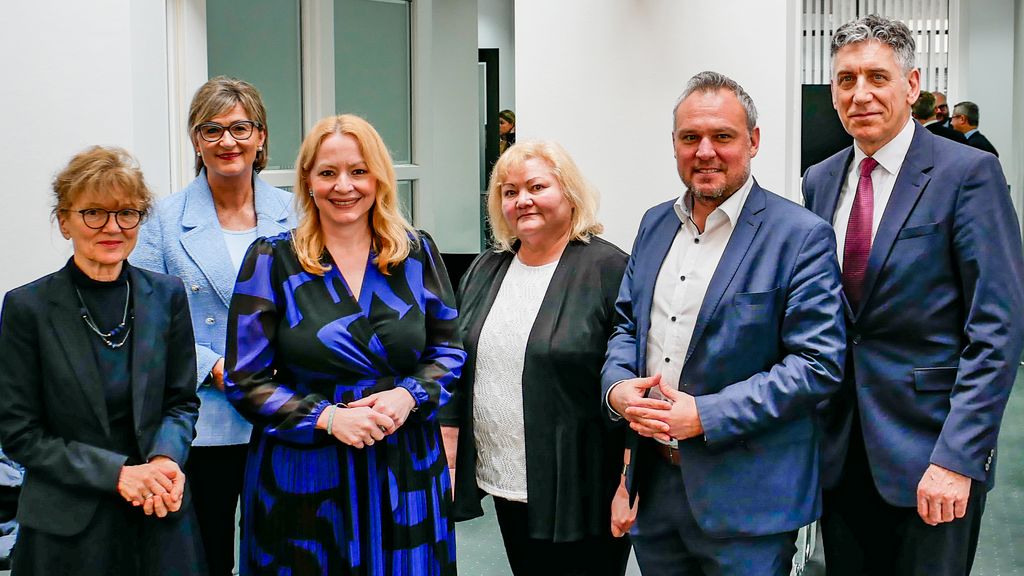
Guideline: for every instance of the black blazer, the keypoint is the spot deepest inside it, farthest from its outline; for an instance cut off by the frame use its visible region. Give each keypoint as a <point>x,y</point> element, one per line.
<point>53,416</point>
<point>979,141</point>
<point>573,455</point>
<point>940,129</point>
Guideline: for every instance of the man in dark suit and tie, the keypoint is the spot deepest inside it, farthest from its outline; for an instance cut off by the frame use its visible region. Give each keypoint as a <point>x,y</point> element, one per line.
<point>932,266</point>
<point>924,112</point>
<point>730,318</point>
<point>965,120</point>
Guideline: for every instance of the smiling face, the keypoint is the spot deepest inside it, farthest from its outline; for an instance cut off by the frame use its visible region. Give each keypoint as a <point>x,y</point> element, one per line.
<point>533,204</point>
<point>343,188</point>
<point>713,147</point>
<point>229,158</point>
<point>99,253</point>
<point>871,93</point>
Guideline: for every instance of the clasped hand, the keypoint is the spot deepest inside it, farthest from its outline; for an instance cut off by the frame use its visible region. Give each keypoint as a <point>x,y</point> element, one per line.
<point>158,486</point>
<point>674,417</point>
<point>370,419</point>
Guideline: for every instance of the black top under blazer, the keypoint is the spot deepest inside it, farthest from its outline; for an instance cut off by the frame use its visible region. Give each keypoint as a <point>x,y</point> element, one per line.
<point>53,416</point>
<point>573,455</point>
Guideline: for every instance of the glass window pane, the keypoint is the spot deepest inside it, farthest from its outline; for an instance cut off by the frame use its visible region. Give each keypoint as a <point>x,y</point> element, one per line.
<point>372,68</point>
<point>405,191</point>
<point>258,41</point>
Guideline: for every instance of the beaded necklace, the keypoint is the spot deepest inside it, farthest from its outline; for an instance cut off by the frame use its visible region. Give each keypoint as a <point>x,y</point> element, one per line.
<point>124,327</point>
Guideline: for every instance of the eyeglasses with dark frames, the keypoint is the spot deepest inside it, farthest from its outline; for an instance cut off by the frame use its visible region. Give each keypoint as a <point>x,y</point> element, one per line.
<point>240,130</point>
<point>97,218</point>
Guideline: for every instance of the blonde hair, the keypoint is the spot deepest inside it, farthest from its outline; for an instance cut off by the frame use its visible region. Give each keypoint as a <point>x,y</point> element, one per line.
<point>101,170</point>
<point>390,232</point>
<point>218,96</point>
<point>575,188</point>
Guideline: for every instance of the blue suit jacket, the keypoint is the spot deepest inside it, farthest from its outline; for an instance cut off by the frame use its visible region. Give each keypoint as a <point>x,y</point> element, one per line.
<point>935,342</point>
<point>182,237</point>
<point>767,347</point>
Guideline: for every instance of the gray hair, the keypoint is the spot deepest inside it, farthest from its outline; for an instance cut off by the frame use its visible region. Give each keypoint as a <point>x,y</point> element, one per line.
<point>969,110</point>
<point>709,81</point>
<point>890,32</point>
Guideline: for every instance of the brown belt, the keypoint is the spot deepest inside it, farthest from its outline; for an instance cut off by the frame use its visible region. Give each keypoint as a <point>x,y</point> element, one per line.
<point>667,453</point>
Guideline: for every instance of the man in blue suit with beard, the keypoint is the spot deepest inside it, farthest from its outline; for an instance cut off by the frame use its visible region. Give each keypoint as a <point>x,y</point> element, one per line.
<point>729,332</point>
<point>932,267</point>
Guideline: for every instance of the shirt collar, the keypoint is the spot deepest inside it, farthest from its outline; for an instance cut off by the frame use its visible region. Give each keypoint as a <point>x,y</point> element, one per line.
<point>970,133</point>
<point>732,206</point>
<point>892,154</point>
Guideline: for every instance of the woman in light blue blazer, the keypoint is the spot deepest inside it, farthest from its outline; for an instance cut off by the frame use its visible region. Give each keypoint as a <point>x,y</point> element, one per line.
<point>201,234</point>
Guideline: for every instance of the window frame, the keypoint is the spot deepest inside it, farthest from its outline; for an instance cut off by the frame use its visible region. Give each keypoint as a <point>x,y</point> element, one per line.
<point>187,70</point>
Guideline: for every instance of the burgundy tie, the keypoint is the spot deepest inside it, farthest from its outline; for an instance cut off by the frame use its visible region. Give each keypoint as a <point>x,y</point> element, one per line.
<point>858,235</point>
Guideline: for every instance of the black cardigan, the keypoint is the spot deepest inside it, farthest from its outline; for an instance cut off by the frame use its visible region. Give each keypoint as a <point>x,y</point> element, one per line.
<point>573,456</point>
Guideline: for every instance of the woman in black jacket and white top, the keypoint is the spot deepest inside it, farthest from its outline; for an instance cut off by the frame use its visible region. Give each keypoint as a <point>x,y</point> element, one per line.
<point>535,315</point>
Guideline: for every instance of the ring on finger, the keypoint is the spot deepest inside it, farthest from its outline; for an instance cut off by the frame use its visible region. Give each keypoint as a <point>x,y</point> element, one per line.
<point>147,496</point>
<point>383,429</point>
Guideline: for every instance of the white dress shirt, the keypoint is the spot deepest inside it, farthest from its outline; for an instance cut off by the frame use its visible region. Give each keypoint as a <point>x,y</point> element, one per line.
<point>890,159</point>
<point>683,281</point>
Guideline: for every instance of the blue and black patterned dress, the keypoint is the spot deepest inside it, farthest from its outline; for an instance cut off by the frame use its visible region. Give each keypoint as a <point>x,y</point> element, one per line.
<point>298,342</point>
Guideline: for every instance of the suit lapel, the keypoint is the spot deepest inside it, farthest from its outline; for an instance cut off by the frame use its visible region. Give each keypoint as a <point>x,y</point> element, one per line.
<point>662,233</point>
<point>146,327</point>
<point>203,239</point>
<point>66,320</point>
<point>830,202</point>
<point>910,183</point>
<point>739,242</point>
<point>496,277</point>
<point>271,213</point>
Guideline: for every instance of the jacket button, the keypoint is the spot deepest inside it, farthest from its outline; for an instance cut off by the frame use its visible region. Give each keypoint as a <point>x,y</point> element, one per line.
<point>195,287</point>
<point>856,338</point>
<point>211,320</point>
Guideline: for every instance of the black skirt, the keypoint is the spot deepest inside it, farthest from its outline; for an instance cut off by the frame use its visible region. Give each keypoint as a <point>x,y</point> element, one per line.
<point>119,541</point>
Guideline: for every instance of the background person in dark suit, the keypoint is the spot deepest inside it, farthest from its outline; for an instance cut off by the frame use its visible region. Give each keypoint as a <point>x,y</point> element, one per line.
<point>535,315</point>
<point>965,120</point>
<point>924,112</point>
<point>99,392</point>
<point>730,314</point>
<point>932,268</point>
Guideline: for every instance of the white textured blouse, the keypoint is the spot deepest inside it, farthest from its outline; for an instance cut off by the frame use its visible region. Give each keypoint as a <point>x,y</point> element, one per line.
<point>498,390</point>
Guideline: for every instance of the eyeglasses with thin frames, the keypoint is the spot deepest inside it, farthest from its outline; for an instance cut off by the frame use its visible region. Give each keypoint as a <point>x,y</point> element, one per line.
<point>97,218</point>
<point>240,130</point>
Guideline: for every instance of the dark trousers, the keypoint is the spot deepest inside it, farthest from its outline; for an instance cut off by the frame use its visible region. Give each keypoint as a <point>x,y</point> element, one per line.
<point>864,535</point>
<point>595,556</point>
<point>669,542</point>
<point>215,475</point>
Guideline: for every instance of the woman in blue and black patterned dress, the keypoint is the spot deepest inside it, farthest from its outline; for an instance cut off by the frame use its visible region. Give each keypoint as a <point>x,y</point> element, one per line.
<point>341,346</point>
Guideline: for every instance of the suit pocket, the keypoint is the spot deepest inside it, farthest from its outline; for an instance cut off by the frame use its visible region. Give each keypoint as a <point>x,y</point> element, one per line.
<point>755,299</point>
<point>934,379</point>
<point>918,231</point>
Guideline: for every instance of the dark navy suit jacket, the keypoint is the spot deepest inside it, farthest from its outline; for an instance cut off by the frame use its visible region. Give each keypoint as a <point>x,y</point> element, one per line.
<point>768,345</point>
<point>934,344</point>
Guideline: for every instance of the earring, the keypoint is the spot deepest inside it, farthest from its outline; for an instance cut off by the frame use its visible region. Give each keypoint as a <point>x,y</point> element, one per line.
<point>310,192</point>
<point>259,148</point>
<point>198,154</point>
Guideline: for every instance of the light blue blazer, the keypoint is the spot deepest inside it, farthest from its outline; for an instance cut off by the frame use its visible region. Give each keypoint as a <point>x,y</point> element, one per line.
<point>182,237</point>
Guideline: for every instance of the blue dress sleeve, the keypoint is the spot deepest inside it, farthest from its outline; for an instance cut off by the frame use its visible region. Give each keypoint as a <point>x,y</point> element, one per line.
<point>249,383</point>
<point>443,356</point>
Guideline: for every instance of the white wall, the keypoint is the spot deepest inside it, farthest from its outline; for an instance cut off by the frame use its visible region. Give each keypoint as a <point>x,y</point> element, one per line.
<point>77,74</point>
<point>985,76</point>
<point>601,78</point>
<point>496,29</point>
